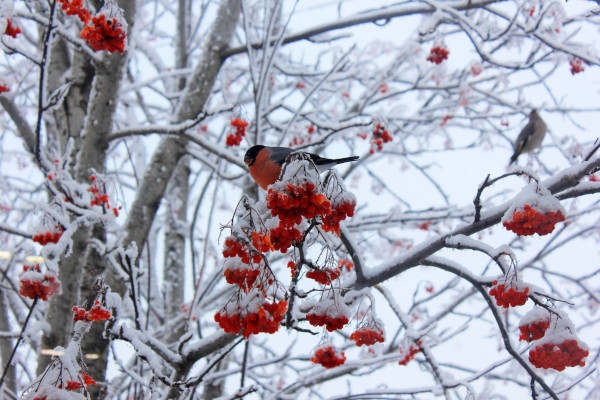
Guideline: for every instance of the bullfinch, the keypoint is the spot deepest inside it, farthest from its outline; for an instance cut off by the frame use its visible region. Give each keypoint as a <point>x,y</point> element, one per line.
<point>265,163</point>
<point>530,137</point>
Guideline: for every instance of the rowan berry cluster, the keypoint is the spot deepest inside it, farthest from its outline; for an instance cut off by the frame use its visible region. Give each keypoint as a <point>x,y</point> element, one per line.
<point>408,353</point>
<point>55,390</point>
<point>96,313</point>
<point>75,7</point>
<point>330,323</point>
<point>293,267</point>
<point>576,65</point>
<point>239,273</point>
<point>516,295</point>
<point>105,34</point>
<point>343,203</point>
<point>346,264</point>
<point>72,385</point>
<point>235,138</point>
<point>283,237</point>
<point>328,356</point>
<point>339,212</point>
<point>331,313</point>
<point>233,248</point>
<point>438,54</point>
<point>250,311</point>
<point>76,385</point>
<point>324,276</point>
<point>261,242</point>
<point>255,318</point>
<point>367,336</point>
<point>11,30</point>
<point>4,88</point>
<point>558,356</point>
<point>34,284</point>
<point>99,197</point>
<point>297,201</point>
<point>290,203</point>
<point>48,237</point>
<point>380,136</point>
<point>556,345</point>
<point>530,221</point>
<point>243,266</point>
<point>534,330</point>
<point>65,377</point>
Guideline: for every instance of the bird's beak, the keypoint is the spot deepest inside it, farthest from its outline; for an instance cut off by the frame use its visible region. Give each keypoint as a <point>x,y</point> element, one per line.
<point>247,161</point>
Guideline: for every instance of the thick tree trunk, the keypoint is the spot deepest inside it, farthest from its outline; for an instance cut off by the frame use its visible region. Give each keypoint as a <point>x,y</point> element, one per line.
<point>178,197</point>
<point>95,130</point>
<point>175,248</point>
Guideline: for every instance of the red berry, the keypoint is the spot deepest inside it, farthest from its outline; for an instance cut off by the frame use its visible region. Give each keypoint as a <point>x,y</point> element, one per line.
<point>438,54</point>
<point>75,7</point>
<point>11,30</point>
<point>104,34</point>
<point>530,221</point>
<point>576,65</point>
<point>367,336</point>
<point>324,276</point>
<point>558,356</point>
<point>511,297</point>
<point>409,353</point>
<point>328,357</point>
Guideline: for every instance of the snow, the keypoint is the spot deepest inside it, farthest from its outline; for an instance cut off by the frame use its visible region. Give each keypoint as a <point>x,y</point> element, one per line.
<point>534,315</point>
<point>536,196</point>
<point>53,393</point>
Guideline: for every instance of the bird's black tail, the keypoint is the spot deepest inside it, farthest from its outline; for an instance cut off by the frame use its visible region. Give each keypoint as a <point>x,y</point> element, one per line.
<point>327,163</point>
<point>346,159</point>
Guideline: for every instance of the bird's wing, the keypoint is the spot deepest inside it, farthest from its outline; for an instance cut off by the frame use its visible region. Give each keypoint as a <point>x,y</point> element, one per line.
<point>279,154</point>
<point>525,135</point>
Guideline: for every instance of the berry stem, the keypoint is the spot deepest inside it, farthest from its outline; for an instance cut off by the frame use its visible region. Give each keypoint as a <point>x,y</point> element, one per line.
<point>292,289</point>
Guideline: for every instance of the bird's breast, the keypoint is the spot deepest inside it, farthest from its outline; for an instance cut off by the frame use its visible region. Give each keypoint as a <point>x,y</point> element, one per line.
<point>264,171</point>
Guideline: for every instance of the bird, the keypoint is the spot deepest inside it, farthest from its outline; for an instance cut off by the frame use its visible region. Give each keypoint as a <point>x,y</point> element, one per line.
<point>531,136</point>
<point>265,162</point>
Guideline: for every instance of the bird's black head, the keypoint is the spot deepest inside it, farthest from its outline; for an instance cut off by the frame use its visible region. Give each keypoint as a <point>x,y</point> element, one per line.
<point>251,154</point>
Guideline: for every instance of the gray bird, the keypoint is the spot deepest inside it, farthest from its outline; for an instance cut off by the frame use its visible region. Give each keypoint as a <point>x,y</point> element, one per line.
<point>530,137</point>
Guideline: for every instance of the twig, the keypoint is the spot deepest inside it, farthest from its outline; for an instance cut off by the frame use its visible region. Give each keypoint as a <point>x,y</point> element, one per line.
<point>9,361</point>
<point>477,200</point>
<point>593,150</point>
<point>245,363</point>
<point>487,183</point>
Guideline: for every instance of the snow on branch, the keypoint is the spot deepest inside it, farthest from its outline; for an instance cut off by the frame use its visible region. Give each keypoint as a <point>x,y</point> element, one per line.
<point>563,180</point>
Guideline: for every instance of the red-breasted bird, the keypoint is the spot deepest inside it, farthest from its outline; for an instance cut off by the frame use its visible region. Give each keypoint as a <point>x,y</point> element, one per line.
<point>265,162</point>
<point>531,136</point>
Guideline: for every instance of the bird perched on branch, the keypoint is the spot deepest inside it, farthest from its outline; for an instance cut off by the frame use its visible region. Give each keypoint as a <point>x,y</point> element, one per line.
<point>530,137</point>
<point>265,162</point>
